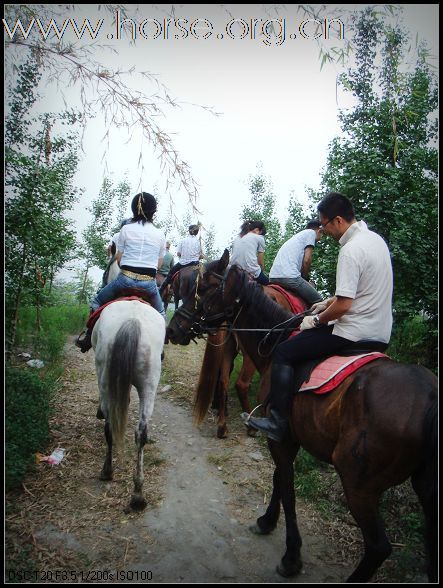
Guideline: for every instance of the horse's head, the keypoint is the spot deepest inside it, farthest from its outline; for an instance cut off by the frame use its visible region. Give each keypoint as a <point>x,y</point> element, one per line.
<point>213,302</point>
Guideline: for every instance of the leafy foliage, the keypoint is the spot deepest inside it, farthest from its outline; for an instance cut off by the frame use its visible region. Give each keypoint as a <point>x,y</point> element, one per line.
<point>26,421</point>
<point>262,208</point>
<point>386,162</point>
<point>39,174</point>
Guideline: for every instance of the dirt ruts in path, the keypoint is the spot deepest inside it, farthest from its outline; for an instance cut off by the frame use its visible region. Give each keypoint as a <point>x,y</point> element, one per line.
<point>203,493</point>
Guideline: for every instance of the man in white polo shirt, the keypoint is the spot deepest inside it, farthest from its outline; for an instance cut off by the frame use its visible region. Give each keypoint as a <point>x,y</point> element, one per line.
<point>361,309</point>
<point>189,251</point>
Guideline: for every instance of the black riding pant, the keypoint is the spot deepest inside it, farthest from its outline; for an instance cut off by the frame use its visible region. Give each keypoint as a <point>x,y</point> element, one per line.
<point>285,378</point>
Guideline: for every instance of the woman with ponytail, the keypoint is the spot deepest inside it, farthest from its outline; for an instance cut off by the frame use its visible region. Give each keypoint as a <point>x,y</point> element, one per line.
<point>140,251</point>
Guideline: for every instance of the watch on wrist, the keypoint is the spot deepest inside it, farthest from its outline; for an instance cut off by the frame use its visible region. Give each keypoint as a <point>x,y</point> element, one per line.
<point>316,321</point>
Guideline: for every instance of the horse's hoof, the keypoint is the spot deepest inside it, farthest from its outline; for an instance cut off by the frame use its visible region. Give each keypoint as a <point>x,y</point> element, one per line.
<point>258,530</point>
<point>288,571</point>
<point>105,475</point>
<point>222,432</point>
<point>100,414</point>
<point>137,503</point>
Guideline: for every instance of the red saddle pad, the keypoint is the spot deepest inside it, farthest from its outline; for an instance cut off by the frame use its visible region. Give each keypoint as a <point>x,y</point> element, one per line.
<point>96,314</point>
<point>297,304</point>
<point>330,373</point>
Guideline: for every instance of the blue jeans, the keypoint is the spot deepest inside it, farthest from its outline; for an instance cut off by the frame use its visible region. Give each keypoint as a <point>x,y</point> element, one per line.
<point>262,279</point>
<point>111,291</point>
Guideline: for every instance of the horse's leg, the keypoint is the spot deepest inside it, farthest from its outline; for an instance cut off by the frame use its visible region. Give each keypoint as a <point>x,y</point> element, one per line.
<point>244,381</point>
<point>425,483</point>
<point>146,405</point>
<point>106,473</point>
<point>267,523</point>
<point>429,502</point>
<point>364,508</point>
<point>284,455</point>
<point>230,351</point>
<point>138,502</point>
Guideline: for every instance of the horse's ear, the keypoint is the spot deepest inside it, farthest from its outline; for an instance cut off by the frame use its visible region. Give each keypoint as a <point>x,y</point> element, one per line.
<point>223,261</point>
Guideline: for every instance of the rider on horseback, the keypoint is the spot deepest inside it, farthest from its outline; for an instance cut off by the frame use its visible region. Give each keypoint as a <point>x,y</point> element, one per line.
<point>189,251</point>
<point>248,250</point>
<point>140,250</point>
<point>293,261</point>
<point>360,310</point>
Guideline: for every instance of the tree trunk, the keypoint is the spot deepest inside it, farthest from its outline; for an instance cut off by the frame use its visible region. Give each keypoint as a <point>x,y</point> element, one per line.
<point>38,323</point>
<point>17,298</point>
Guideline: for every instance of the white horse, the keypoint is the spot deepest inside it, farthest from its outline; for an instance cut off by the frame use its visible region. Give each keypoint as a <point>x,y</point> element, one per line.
<point>128,341</point>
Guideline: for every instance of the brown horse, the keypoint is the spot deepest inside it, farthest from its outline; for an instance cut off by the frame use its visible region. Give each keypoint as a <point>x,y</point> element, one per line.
<point>182,285</point>
<point>221,349</point>
<point>378,428</point>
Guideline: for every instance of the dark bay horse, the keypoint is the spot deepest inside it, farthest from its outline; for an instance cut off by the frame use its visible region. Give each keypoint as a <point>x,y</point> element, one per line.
<point>221,350</point>
<point>378,428</point>
<point>182,285</point>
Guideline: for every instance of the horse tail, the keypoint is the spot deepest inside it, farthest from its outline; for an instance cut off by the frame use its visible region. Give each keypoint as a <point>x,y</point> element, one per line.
<point>121,371</point>
<point>209,376</point>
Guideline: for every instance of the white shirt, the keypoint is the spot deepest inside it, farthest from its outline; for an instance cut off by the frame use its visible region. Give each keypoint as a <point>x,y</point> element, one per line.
<point>244,252</point>
<point>364,273</point>
<point>114,239</point>
<point>189,249</point>
<point>289,259</point>
<point>141,244</point>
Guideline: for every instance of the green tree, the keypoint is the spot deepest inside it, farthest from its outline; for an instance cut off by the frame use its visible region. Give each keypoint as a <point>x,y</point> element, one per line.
<point>95,238</point>
<point>296,219</point>
<point>386,161</point>
<point>40,167</point>
<point>209,249</point>
<point>262,207</point>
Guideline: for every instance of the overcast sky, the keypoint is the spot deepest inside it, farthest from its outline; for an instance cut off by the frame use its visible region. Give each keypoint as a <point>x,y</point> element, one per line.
<point>276,106</point>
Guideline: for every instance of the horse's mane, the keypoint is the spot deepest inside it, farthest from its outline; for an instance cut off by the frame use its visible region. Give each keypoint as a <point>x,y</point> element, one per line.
<point>261,312</point>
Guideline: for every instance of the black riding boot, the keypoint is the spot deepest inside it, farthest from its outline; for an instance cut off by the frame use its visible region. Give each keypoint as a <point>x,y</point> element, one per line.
<point>280,400</point>
<point>85,344</point>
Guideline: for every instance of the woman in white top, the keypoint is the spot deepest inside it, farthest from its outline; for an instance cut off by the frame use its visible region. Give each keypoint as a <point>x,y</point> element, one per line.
<point>248,250</point>
<point>140,250</point>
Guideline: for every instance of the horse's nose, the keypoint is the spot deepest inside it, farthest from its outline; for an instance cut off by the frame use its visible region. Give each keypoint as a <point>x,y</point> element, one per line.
<point>170,334</point>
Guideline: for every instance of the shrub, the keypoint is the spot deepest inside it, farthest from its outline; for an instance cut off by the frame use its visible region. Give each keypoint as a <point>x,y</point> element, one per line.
<point>415,341</point>
<point>26,421</point>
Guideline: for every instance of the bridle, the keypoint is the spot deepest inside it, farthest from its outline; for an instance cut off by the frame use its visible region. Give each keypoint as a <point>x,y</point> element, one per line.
<point>202,318</point>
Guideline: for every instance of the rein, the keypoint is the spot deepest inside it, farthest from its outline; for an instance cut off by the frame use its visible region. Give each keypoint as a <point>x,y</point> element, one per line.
<point>198,327</point>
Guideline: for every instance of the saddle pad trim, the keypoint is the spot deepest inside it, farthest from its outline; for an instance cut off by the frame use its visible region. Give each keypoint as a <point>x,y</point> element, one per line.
<point>96,314</point>
<point>341,373</point>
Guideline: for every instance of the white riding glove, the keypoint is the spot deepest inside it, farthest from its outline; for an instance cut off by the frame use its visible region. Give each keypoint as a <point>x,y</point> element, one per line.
<point>319,307</point>
<point>308,323</point>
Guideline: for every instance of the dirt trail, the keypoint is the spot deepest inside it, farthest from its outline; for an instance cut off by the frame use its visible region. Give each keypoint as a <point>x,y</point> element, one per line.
<point>202,492</point>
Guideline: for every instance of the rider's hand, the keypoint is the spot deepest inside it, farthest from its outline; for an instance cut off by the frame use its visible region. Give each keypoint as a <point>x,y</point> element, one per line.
<point>319,307</point>
<point>308,323</point>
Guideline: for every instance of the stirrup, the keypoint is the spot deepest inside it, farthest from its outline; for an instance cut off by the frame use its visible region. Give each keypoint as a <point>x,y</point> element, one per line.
<point>246,416</point>
<point>79,342</point>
